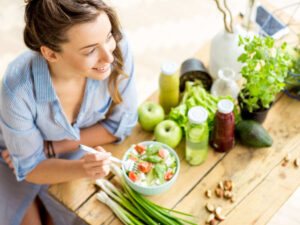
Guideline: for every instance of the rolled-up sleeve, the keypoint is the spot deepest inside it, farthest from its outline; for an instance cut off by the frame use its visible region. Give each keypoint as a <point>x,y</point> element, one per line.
<point>21,136</point>
<point>124,116</point>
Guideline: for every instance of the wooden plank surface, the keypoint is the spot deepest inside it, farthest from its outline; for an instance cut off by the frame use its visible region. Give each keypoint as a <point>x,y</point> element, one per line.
<point>73,194</point>
<point>261,184</point>
<point>188,177</point>
<point>269,195</point>
<point>248,168</point>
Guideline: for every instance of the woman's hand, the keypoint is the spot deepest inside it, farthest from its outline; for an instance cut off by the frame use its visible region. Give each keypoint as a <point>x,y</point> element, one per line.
<point>6,157</point>
<point>97,165</point>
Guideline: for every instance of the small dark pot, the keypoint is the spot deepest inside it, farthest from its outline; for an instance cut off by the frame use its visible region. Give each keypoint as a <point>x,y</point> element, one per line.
<point>192,69</point>
<point>259,115</point>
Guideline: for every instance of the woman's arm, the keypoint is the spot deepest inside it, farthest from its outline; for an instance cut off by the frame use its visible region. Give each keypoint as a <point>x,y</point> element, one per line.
<point>91,136</point>
<point>52,171</point>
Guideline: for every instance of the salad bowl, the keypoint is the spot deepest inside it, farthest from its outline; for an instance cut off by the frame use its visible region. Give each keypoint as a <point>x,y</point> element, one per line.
<point>157,167</point>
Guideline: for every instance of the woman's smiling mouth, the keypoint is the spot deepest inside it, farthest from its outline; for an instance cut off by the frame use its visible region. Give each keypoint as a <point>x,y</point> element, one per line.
<point>102,69</point>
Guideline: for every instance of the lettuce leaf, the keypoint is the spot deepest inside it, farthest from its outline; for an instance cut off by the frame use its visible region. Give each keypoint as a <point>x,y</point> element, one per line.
<point>195,95</point>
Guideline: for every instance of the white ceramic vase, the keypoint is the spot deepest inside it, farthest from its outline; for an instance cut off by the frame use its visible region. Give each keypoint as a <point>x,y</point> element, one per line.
<point>224,52</point>
<point>225,84</point>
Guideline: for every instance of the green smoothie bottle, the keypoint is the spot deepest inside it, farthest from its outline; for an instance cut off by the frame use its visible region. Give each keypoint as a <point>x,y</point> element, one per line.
<point>168,91</point>
<point>196,136</point>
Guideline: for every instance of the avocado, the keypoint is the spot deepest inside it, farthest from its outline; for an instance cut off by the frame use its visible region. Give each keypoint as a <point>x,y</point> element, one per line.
<point>252,134</point>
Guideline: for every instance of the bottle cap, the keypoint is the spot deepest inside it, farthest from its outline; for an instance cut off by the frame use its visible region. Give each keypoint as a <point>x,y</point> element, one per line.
<point>197,115</point>
<point>169,68</point>
<point>225,106</point>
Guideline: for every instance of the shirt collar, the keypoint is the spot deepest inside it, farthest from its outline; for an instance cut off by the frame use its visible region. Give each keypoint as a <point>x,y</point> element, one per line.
<point>42,80</point>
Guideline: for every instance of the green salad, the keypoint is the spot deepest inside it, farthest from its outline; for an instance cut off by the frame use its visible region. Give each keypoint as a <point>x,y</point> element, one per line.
<point>155,164</point>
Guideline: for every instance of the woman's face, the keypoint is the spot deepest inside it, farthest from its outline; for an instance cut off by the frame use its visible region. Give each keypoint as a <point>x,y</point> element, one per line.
<point>89,50</point>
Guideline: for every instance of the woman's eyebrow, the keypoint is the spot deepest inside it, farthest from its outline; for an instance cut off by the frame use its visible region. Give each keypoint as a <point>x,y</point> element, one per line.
<point>92,45</point>
<point>88,46</point>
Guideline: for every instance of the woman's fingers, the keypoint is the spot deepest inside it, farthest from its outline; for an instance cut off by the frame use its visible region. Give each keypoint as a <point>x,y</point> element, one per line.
<point>98,172</point>
<point>97,165</point>
<point>5,153</point>
<point>100,149</point>
<point>97,157</point>
<point>103,172</point>
<point>6,157</point>
<point>10,164</point>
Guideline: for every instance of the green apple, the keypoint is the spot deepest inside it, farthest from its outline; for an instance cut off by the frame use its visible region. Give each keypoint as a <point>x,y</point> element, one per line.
<point>168,132</point>
<point>150,114</point>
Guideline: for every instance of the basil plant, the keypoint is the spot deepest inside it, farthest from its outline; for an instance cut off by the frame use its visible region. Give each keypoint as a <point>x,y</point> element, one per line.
<point>265,67</point>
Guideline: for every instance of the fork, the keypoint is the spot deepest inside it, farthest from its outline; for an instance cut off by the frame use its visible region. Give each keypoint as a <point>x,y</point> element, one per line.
<point>129,164</point>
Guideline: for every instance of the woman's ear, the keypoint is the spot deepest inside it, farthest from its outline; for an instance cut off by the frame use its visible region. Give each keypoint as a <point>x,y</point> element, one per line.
<point>49,54</point>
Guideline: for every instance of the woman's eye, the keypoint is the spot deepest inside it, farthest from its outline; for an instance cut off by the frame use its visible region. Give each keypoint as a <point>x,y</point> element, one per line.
<point>90,52</point>
<point>109,36</point>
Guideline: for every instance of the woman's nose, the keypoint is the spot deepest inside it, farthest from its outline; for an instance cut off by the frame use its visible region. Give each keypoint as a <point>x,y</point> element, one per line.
<point>106,55</point>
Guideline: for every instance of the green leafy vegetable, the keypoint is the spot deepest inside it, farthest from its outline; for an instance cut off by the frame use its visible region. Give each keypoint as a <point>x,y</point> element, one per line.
<point>153,159</point>
<point>160,171</point>
<point>153,149</point>
<point>196,95</point>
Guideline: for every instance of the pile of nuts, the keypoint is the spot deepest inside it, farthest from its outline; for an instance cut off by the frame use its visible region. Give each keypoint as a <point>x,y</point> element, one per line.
<point>224,189</point>
<point>215,214</point>
<point>288,158</point>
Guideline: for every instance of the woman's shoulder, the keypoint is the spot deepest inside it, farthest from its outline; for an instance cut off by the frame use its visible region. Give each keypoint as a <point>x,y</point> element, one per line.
<point>18,72</point>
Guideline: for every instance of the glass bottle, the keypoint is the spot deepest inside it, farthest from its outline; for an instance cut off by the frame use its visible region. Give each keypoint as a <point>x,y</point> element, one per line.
<point>197,136</point>
<point>225,84</point>
<point>168,90</point>
<point>223,134</point>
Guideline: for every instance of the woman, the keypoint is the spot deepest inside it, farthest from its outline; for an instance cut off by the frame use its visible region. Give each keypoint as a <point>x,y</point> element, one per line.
<point>74,86</point>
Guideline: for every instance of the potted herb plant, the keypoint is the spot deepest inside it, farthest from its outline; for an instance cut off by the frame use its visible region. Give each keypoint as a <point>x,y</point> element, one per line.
<point>265,66</point>
<point>292,81</point>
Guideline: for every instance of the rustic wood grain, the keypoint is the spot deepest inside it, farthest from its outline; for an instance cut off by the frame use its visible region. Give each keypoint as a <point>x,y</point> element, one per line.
<point>260,183</point>
<point>73,194</point>
<point>248,168</point>
<point>268,196</point>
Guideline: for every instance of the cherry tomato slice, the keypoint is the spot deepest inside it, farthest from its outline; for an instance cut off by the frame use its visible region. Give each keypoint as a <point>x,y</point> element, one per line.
<point>133,176</point>
<point>140,148</point>
<point>144,167</point>
<point>169,175</point>
<point>162,153</point>
<point>133,158</point>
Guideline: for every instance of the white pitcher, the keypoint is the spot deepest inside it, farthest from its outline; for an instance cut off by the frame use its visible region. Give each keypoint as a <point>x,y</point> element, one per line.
<point>224,52</point>
<point>226,84</point>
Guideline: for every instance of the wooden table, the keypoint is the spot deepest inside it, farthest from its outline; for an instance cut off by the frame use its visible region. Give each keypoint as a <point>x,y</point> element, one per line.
<point>261,183</point>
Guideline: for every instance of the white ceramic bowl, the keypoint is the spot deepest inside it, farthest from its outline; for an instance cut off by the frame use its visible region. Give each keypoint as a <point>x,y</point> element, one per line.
<point>153,190</point>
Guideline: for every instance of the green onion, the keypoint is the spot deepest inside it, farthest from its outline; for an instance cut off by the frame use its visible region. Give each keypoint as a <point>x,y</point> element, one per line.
<point>116,208</point>
<point>136,209</point>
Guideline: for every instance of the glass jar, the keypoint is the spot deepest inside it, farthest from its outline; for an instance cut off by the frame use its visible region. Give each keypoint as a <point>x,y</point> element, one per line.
<point>197,136</point>
<point>223,134</point>
<point>168,90</point>
<point>225,84</point>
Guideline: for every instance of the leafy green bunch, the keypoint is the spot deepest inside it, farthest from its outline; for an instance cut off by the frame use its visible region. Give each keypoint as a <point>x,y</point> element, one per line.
<point>265,68</point>
<point>195,95</point>
<point>294,66</point>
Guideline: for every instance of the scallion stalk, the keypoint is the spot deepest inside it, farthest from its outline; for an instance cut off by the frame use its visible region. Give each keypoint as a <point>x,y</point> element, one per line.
<point>103,197</point>
<point>108,187</point>
<point>152,214</point>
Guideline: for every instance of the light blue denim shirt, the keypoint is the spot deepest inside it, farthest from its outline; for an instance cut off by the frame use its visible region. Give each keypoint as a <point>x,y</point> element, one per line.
<point>30,111</point>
